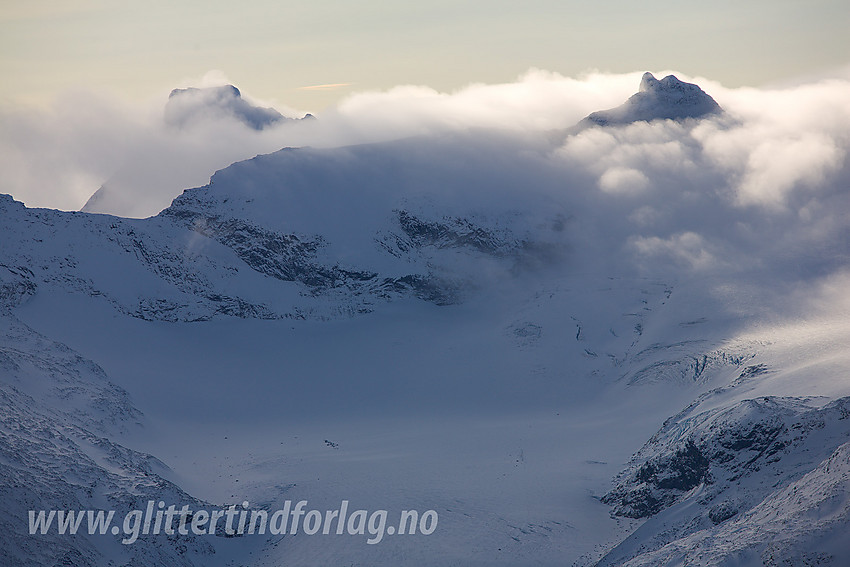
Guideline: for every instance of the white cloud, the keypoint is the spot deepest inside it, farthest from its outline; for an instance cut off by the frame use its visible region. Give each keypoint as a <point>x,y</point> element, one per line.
<point>59,157</point>
<point>623,180</point>
<point>538,100</point>
<point>782,140</point>
<point>687,248</point>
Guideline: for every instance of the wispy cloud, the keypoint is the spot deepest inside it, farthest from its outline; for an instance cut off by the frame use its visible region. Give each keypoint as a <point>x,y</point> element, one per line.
<point>327,87</point>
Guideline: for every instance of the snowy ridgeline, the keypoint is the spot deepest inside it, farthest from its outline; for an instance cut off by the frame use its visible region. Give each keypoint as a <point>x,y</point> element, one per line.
<point>426,277</point>
<point>192,264</point>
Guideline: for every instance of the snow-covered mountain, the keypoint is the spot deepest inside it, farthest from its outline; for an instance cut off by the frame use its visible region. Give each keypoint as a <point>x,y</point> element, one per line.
<point>469,323</point>
<point>668,98</point>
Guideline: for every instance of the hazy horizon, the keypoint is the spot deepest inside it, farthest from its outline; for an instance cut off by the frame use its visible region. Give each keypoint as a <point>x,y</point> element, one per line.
<point>312,57</point>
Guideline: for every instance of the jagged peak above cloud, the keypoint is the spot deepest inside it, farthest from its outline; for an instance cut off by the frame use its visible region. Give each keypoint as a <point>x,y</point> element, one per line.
<point>219,92</point>
<point>668,98</point>
<point>648,82</point>
<point>189,105</point>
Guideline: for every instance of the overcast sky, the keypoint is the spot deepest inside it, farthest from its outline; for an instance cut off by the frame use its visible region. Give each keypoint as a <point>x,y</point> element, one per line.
<point>284,52</point>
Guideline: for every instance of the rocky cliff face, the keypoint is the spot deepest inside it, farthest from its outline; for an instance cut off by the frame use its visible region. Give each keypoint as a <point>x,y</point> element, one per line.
<point>706,471</point>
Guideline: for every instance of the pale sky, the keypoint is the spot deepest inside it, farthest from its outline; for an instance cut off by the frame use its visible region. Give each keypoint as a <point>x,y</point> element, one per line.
<point>274,49</point>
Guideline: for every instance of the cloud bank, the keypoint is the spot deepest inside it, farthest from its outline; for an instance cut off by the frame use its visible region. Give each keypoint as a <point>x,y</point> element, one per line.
<point>762,189</point>
<point>58,157</point>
